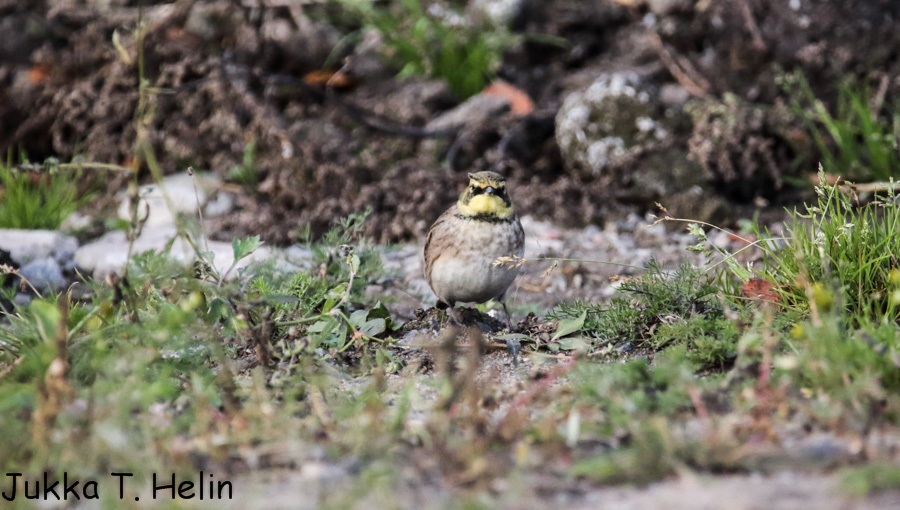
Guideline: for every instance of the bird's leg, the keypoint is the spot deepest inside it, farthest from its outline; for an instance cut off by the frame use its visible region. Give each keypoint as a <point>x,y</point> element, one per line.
<point>506,311</point>
<point>454,315</point>
<point>512,345</point>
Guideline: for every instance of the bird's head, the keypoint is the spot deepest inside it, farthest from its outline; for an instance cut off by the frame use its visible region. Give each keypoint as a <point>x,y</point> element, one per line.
<point>486,197</point>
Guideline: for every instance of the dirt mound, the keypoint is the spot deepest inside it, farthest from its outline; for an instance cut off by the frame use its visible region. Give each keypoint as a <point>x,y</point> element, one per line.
<point>228,76</point>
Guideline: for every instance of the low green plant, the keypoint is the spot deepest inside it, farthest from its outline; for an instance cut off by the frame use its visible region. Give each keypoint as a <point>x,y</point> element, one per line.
<point>864,480</point>
<point>37,200</point>
<point>442,45</point>
<point>643,403</point>
<point>246,173</point>
<point>659,309</point>
<point>858,141</point>
<point>327,302</point>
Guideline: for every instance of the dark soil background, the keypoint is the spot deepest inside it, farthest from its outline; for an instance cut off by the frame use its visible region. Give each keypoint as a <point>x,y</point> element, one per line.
<point>233,72</point>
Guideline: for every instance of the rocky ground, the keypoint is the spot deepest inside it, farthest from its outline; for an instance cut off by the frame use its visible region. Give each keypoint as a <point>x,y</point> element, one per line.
<point>564,264</point>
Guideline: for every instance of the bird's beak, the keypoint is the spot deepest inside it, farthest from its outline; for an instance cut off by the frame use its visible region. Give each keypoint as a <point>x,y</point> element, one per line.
<point>490,191</point>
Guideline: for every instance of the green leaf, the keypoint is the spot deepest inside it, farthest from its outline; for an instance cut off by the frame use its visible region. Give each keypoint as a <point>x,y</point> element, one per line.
<point>320,326</point>
<point>328,305</point>
<point>573,343</point>
<point>219,309</point>
<point>569,326</point>
<point>379,312</point>
<point>46,315</point>
<point>280,299</point>
<point>358,318</point>
<point>373,327</point>
<point>336,293</point>
<point>244,246</point>
<point>516,336</point>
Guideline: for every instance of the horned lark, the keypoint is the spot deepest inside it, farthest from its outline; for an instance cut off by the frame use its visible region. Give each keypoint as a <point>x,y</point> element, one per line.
<point>468,238</point>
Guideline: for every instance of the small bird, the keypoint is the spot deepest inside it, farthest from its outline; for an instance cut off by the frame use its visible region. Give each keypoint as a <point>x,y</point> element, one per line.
<point>465,242</point>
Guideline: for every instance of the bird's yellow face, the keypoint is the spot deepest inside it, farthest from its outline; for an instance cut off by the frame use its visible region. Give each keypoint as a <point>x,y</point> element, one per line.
<point>486,197</point>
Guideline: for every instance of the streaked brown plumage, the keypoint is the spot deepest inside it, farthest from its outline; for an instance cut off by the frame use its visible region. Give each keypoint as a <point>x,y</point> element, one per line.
<point>468,238</point>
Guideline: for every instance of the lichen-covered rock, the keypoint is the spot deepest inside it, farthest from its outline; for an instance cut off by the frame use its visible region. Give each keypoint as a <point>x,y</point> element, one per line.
<point>620,133</point>
<point>603,127</point>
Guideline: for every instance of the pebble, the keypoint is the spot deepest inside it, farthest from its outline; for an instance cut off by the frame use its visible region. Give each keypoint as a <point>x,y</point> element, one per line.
<point>320,471</point>
<point>625,348</point>
<point>44,274</point>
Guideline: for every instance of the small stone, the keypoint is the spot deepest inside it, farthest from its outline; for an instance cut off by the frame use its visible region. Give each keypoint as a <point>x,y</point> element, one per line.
<point>720,239</point>
<point>673,94</point>
<point>44,274</point>
<point>498,12</point>
<point>220,206</point>
<point>320,471</point>
<point>64,249</point>
<point>22,299</point>
<point>625,348</point>
<point>298,256</point>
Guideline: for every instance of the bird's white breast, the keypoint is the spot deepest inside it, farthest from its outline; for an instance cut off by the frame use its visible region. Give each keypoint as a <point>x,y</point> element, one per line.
<point>467,274</point>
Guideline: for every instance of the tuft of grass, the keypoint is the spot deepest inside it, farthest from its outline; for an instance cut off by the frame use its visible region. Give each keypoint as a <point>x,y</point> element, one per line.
<point>436,43</point>
<point>841,253</point>
<point>246,174</point>
<point>858,140</point>
<point>37,200</point>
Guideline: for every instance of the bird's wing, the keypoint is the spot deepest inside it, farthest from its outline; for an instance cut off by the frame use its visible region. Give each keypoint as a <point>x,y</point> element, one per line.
<point>434,239</point>
<point>520,239</point>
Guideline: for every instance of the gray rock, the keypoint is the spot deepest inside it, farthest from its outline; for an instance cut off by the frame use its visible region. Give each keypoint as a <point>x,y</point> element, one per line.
<point>183,199</point>
<point>44,274</point>
<point>107,254</point>
<point>620,130</point>
<point>673,94</point>
<point>625,348</point>
<point>211,20</point>
<point>27,245</point>
<point>474,110</point>
<point>298,256</point>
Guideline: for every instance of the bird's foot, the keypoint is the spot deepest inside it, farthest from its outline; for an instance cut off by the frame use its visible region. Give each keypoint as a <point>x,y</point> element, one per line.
<point>513,347</point>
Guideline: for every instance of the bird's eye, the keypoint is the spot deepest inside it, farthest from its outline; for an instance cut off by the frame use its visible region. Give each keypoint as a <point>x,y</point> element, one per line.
<point>476,191</point>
